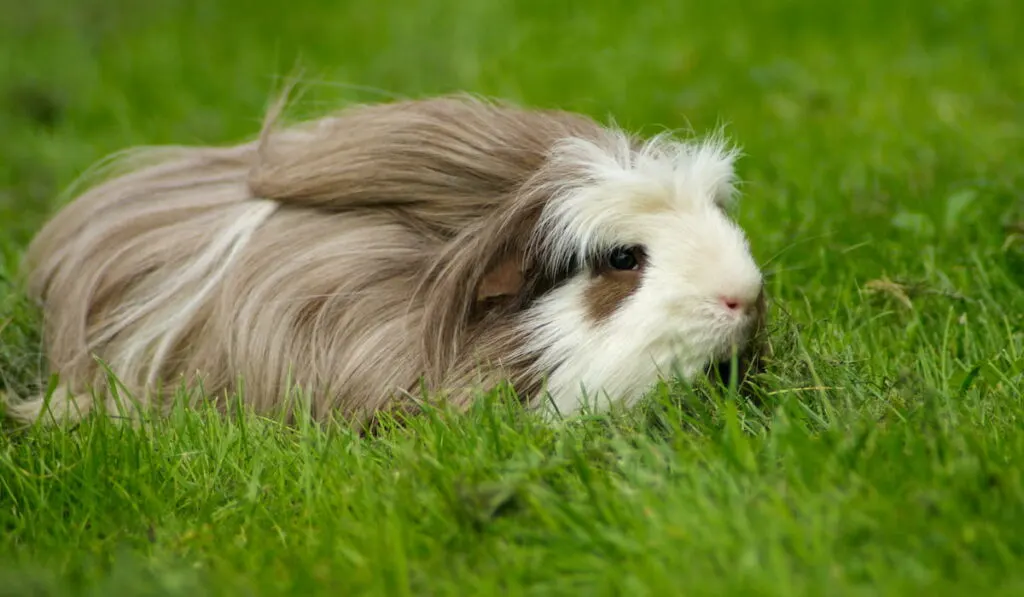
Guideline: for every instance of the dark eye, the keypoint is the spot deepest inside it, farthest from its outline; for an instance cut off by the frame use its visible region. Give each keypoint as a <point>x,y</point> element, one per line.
<point>625,258</point>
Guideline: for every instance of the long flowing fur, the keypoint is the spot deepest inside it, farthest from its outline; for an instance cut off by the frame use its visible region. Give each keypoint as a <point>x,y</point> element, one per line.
<point>341,255</point>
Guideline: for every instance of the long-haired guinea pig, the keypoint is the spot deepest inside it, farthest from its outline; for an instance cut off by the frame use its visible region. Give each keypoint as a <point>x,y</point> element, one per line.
<point>391,252</point>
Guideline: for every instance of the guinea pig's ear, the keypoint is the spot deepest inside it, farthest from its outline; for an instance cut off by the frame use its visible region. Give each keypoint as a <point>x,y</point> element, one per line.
<point>503,280</point>
<point>478,270</point>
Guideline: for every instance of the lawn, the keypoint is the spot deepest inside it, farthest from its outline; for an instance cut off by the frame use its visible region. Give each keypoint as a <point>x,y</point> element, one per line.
<point>882,451</point>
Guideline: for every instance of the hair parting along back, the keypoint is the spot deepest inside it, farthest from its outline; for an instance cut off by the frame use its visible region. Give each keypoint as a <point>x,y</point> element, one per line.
<point>355,256</point>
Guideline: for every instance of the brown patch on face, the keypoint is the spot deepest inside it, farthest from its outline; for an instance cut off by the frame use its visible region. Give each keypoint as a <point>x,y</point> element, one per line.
<point>616,277</point>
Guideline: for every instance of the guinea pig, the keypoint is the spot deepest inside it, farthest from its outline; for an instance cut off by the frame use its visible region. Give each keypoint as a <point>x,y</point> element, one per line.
<point>422,247</point>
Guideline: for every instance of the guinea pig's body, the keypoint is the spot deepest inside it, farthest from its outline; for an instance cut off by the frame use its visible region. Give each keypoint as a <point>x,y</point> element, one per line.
<point>444,244</point>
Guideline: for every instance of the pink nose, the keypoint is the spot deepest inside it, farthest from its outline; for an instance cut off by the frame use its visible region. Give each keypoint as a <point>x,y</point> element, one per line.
<point>731,303</point>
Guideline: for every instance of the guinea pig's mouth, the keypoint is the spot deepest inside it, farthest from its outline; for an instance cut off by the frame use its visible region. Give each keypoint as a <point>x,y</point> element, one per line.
<point>751,349</point>
<point>748,361</point>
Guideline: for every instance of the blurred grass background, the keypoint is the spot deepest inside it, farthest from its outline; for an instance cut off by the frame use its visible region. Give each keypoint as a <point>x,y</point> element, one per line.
<point>884,163</point>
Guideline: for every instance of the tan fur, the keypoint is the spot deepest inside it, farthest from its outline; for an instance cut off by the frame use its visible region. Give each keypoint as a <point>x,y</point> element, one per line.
<point>345,254</point>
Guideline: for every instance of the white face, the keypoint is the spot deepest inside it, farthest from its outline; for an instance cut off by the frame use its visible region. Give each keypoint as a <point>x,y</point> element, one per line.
<point>678,293</point>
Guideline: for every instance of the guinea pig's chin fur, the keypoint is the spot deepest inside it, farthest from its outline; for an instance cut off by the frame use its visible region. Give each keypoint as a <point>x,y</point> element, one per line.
<point>593,365</point>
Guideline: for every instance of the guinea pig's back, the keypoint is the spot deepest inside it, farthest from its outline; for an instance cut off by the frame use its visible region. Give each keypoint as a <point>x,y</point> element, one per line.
<point>324,301</point>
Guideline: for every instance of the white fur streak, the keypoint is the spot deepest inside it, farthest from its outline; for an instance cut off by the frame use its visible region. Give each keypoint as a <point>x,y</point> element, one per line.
<point>172,303</point>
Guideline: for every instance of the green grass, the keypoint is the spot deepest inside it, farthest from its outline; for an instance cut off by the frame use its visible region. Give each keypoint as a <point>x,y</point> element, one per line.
<point>884,164</point>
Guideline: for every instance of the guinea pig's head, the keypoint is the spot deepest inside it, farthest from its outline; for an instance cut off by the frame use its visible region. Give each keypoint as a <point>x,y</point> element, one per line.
<point>633,270</point>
